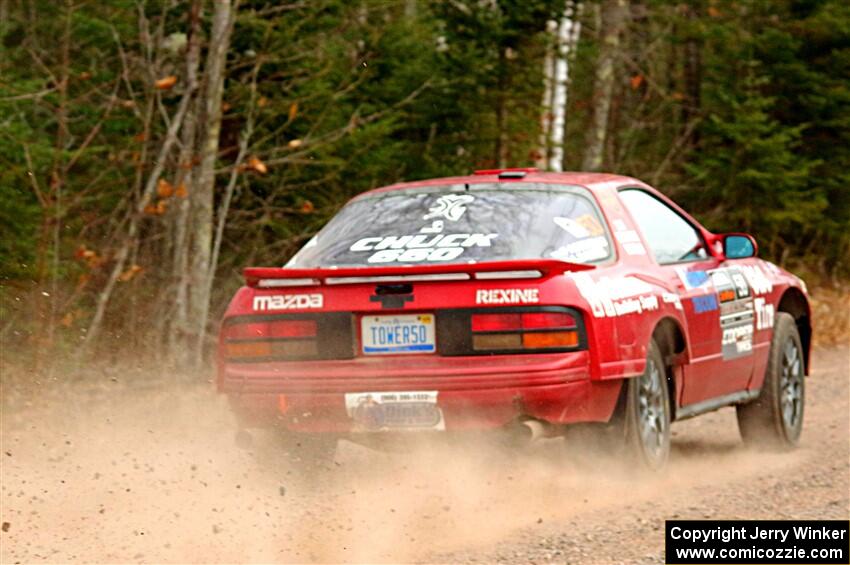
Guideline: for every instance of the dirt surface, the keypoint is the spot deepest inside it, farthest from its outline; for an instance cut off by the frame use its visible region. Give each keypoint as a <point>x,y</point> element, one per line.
<point>117,471</point>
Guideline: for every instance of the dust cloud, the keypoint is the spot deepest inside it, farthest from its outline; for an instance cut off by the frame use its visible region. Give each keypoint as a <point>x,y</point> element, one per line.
<point>147,470</point>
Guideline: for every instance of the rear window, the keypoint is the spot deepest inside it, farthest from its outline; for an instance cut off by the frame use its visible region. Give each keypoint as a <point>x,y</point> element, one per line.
<point>453,224</point>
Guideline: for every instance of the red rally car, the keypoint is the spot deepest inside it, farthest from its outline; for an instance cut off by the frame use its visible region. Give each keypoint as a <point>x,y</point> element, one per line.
<point>514,297</point>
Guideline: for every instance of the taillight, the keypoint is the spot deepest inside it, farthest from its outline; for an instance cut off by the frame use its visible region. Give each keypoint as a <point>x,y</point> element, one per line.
<point>518,331</point>
<point>271,339</point>
<point>496,322</point>
<point>275,328</point>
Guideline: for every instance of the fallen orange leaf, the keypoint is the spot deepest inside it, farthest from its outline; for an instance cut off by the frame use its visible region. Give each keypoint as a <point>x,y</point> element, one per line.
<point>180,191</point>
<point>307,207</point>
<point>293,110</point>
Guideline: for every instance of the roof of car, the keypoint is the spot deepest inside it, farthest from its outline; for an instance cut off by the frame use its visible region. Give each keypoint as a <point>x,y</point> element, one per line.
<point>591,181</point>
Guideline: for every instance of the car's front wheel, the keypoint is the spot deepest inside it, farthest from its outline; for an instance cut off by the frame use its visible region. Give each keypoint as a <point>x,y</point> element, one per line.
<point>775,419</point>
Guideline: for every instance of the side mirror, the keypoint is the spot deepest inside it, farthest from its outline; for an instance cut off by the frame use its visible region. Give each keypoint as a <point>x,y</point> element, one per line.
<point>739,246</point>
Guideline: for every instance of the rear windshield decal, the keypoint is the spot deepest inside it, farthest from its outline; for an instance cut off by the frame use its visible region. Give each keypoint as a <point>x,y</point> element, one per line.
<point>421,247</point>
<point>450,207</point>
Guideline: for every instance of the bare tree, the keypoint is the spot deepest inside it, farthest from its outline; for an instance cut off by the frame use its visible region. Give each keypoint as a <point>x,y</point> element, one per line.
<point>614,17</point>
<point>203,193</point>
<point>184,181</point>
<point>556,72</point>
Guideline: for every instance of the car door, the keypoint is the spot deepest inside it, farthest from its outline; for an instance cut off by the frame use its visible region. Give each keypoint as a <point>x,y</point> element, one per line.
<point>717,301</point>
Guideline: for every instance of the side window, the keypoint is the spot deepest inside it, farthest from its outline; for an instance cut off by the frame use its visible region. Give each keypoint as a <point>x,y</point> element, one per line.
<point>670,237</point>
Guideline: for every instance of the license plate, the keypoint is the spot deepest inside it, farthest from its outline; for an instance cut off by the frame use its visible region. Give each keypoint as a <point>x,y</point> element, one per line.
<point>407,333</point>
<point>376,411</point>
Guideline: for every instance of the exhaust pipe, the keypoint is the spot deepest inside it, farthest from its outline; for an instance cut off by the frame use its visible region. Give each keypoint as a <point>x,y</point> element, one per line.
<point>534,430</point>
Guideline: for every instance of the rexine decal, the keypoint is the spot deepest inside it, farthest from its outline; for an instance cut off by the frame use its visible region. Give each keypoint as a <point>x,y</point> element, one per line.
<point>449,206</point>
<point>507,296</point>
<point>288,302</point>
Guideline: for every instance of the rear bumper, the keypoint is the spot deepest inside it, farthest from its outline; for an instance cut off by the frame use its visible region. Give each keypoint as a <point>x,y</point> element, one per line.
<point>473,392</point>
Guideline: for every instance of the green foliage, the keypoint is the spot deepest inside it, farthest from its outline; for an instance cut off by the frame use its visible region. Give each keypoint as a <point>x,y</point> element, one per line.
<point>354,95</point>
<point>773,154</point>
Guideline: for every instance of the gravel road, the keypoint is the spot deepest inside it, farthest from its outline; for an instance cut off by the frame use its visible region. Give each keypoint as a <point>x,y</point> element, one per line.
<point>127,469</point>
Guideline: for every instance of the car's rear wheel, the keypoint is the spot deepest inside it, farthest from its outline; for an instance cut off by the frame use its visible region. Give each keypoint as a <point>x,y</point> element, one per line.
<point>645,424</point>
<point>639,430</point>
<point>774,420</point>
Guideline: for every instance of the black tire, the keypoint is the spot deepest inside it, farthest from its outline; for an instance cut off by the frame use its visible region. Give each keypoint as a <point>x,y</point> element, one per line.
<point>774,420</point>
<point>645,417</point>
<point>639,431</point>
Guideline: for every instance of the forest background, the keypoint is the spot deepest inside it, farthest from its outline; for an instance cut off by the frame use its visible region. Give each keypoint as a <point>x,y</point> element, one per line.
<point>149,150</point>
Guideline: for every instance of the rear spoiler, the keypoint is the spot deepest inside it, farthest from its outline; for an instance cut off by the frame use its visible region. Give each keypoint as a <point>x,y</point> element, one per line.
<point>272,277</point>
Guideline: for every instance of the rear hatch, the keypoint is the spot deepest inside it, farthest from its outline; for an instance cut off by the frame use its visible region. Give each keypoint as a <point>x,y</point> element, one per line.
<point>419,274</point>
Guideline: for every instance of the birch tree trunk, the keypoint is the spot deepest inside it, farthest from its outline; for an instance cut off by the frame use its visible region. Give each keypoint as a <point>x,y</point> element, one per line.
<point>179,323</point>
<point>568,34</point>
<point>203,194</point>
<point>546,115</point>
<point>614,15</point>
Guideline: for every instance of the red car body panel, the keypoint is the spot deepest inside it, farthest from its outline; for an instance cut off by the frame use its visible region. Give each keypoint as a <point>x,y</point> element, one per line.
<point>621,302</point>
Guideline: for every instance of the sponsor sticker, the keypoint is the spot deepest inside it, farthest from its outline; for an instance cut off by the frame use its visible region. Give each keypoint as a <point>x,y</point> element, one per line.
<point>634,248</point>
<point>583,250</point>
<point>759,281</point>
<point>706,303</point>
<point>627,236</point>
<point>591,224</point>
<point>671,298</point>
<point>404,410</point>
<point>572,227</point>
<point>764,314</point>
<point>615,297</point>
